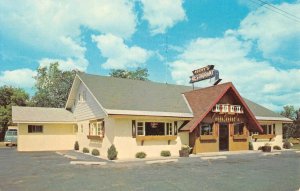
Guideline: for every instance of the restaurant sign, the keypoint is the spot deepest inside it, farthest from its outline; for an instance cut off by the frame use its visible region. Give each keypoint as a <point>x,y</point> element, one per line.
<point>204,73</point>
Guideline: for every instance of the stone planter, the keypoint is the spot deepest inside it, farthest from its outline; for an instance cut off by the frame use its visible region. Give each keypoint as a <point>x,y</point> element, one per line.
<point>266,148</point>
<point>184,153</point>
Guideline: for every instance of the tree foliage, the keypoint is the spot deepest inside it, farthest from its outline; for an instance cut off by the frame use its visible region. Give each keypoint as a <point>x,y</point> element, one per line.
<point>138,74</point>
<point>289,112</point>
<point>52,86</point>
<point>10,96</point>
<point>291,129</point>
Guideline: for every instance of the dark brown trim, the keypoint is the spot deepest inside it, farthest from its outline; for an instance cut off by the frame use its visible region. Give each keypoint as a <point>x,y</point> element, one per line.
<point>94,137</point>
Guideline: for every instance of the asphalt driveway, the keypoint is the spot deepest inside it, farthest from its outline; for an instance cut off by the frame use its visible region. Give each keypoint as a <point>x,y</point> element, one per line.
<point>49,171</point>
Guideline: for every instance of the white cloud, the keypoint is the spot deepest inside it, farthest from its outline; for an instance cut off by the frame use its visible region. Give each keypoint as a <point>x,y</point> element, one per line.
<point>277,36</point>
<point>20,78</point>
<point>66,65</point>
<point>118,54</point>
<point>258,81</point>
<point>54,27</point>
<point>162,15</point>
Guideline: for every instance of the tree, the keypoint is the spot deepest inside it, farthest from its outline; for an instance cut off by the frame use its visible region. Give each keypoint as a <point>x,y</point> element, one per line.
<point>10,96</point>
<point>52,86</point>
<point>289,112</point>
<point>138,74</point>
<point>290,129</point>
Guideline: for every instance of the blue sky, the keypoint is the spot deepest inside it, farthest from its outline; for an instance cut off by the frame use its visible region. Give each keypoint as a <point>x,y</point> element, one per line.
<point>255,46</point>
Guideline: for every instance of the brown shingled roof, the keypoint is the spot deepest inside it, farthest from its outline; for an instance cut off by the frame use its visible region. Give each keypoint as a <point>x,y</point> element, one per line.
<point>203,100</point>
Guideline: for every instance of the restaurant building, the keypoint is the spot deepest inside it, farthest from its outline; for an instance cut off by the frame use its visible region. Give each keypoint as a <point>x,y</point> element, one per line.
<point>150,117</point>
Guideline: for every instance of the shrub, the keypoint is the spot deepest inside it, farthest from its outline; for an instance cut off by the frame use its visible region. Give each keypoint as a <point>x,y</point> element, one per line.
<point>186,148</point>
<point>276,147</point>
<point>95,152</point>
<point>85,150</point>
<point>287,145</point>
<point>112,153</point>
<point>259,148</point>
<point>250,146</point>
<point>140,155</point>
<point>76,146</point>
<point>165,153</point>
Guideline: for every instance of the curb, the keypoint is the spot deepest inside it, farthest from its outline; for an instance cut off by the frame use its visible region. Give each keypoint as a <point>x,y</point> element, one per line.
<point>271,154</point>
<point>213,157</point>
<point>87,163</point>
<point>67,156</point>
<point>161,161</point>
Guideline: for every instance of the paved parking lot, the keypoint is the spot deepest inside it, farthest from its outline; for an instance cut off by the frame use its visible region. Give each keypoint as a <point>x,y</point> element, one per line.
<point>49,171</point>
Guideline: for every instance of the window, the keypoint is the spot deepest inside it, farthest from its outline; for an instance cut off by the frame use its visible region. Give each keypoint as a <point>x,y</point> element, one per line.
<point>35,129</point>
<point>239,128</point>
<point>274,131</point>
<point>267,129</point>
<point>169,129</point>
<point>206,129</point>
<point>81,128</point>
<point>97,129</point>
<point>82,96</point>
<point>140,128</point>
<point>154,128</point>
<point>75,128</point>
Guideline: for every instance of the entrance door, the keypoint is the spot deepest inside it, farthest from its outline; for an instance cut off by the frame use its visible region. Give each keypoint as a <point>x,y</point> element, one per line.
<point>223,137</point>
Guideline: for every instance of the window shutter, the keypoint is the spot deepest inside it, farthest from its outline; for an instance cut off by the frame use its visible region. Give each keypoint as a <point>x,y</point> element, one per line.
<point>89,129</point>
<point>133,129</point>
<point>231,127</point>
<point>198,129</point>
<point>175,128</point>
<point>103,128</point>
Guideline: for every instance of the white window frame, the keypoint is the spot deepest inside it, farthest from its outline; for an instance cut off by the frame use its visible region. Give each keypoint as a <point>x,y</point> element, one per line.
<point>270,129</point>
<point>140,126</point>
<point>82,96</point>
<point>96,129</point>
<point>168,130</point>
<point>170,133</point>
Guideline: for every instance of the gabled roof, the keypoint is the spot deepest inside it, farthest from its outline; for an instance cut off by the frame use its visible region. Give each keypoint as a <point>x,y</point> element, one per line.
<point>262,113</point>
<point>118,96</point>
<point>41,115</point>
<point>203,100</point>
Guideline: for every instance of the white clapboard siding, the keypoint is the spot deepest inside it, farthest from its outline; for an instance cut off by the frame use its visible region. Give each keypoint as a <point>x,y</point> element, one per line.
<point>88,109</point>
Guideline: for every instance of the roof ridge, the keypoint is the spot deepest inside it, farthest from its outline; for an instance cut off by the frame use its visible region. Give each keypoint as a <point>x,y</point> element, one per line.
<point>135,80</point>
<point>205,88</point>
<point>39,107</point>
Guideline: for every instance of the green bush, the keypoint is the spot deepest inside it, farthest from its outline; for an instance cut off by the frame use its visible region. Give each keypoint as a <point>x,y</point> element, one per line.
<point>186,148</point>
<point>259,148</point>
<point>95,152</point>
<point>85,150</point>
<point>250,146</point>
<point>112,153</point>
<point>76,146</point>
<point>140,155</point>
<point>165,153</point>
<point>276,147</point>
<point>287,145</point>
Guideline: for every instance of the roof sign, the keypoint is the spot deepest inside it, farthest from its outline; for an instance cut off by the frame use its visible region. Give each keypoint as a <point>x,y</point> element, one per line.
<point>204,73</point>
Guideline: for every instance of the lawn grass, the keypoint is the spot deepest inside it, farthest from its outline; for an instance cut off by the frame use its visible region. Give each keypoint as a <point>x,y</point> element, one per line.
<point>296,146</point>
<point>2,144</point>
